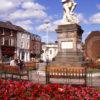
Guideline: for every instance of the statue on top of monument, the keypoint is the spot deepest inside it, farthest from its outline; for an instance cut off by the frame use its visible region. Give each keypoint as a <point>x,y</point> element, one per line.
<point>68,15</point>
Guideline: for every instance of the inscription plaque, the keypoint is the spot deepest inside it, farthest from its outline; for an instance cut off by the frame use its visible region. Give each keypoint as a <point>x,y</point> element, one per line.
<point>67,45</point>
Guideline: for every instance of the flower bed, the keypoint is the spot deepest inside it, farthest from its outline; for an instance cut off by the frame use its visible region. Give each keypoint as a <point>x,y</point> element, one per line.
<point>13,90</point>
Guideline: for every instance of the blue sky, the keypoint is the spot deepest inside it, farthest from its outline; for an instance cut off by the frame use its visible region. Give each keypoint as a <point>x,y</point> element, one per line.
<point>32,15</point>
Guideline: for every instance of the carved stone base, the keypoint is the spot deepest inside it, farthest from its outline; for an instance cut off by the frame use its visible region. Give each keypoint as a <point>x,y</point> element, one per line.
<point>69,40</point>
<point>69,59</point>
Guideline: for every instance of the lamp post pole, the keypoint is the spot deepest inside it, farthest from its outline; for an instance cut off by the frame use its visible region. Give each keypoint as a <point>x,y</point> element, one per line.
<point>47,58</point>
<point>47,31</point>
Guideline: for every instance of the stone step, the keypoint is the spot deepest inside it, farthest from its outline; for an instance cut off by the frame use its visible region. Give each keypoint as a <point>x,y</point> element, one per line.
<point>69,58</point>
<point>70,53</point>
<point>62,63</point>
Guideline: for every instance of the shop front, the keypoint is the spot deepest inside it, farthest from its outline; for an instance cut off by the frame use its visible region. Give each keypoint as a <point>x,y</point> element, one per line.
<point>24,55</point>
<point>7,53</point>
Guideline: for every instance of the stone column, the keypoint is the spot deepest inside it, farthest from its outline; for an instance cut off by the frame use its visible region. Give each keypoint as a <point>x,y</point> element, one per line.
<point>69,36</point>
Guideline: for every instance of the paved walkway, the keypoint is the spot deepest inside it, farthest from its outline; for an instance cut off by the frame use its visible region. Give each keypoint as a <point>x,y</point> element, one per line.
<point>38,76</point>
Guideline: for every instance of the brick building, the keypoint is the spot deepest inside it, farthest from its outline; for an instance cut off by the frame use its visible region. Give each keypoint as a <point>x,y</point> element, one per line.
<point>8,40</point>
<point>92,42</point>
<point>35,46</point>
<point>17,42</point>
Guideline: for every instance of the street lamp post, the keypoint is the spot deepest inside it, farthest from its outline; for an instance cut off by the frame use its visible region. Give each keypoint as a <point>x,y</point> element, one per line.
<point>47,31</point>
<point>47,58</point>
<point>46,71</point>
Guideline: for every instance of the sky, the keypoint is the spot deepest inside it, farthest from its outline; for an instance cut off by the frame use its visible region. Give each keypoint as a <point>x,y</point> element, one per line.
<point>32,15</point>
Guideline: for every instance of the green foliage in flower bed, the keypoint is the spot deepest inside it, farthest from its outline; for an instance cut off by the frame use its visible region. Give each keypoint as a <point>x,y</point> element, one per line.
<point>13,90</point>
<point>94,70</point>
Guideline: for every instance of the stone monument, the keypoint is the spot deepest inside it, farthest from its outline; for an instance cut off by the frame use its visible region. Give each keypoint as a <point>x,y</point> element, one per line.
<point>69,35</point>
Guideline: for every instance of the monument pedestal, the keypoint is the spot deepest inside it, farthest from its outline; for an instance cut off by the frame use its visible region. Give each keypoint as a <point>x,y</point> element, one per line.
<point>69,45</point>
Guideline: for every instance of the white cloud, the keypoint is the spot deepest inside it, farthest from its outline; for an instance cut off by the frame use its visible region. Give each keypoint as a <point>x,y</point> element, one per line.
<point>7,5</point>
<point>21,9</point>
<point>39,14</point>
<point>32,5</point>
<point>51,26</point>
<point>22,14</point>
<point>24,9</point>
<point>26,24</point>
<point>81,18</point>
<point>95,19</point>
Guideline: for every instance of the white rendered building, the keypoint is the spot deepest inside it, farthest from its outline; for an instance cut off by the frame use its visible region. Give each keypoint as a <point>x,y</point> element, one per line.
<point>50,50</point>
<point>23,45</point>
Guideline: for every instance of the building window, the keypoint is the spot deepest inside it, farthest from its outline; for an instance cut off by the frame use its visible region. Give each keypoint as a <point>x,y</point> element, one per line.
<point>23,54</point>
<point>22,35</point>
<point>28,37</point>
<point>3,33</point>
<point>22,44</point>
<point>3,41</point>
<point>11,42</point>
<point>11,34</point>
<point>6,42</point>
<point>50,51</point>
<point>27,45</point>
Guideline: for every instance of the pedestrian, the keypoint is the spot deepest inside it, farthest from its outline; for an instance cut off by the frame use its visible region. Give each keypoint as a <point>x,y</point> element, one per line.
<point>0,62</point>
<point>20,63</point>
<point>13,62</point>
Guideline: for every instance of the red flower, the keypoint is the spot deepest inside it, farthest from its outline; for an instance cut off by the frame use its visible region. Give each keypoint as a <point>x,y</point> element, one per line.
<point>30,91</point>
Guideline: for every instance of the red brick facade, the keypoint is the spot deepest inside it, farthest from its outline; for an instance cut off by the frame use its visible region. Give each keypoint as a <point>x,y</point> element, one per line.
<point>93,45</point>
<point>35,46</point>
<point>14,40</point>
<point>8,40</point>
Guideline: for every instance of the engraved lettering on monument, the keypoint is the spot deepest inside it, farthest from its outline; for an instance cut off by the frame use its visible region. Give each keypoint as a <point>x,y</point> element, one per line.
<point>67,45</point>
